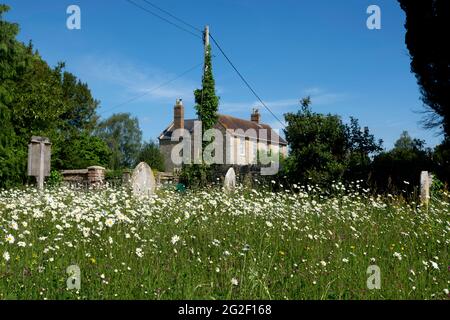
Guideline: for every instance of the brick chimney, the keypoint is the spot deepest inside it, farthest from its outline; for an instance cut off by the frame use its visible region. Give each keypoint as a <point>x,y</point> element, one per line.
<point>256,116</point>
<point>178,115</point>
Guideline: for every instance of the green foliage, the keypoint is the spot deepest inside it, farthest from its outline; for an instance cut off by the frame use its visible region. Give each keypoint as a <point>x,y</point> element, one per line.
<point>114,174</point>
<point>196,175</point>
<point>12,158</point>
<point>55,179</point>
<point>361,146</point>
<point>123,136</point>
<point>81,108</point>
<point>403,163</point>
<point>437,187</point>
<point>207,106</point>
<point>36,99</point>
<point>207,103</point>
<point>441,158</point>
<point>83,150</point>
<point>318,146</point>
<point>324,149</point>
<point>151,154</point>
<point>426,21</point>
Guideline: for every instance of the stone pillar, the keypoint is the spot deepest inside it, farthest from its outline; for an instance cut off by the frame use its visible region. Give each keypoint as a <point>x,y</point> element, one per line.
<point>96,175</point>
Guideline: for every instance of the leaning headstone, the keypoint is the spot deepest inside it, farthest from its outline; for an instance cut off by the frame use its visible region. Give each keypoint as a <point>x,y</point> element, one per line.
<point>143,181</point>
<point>425,184</point>
<point>230,180</point>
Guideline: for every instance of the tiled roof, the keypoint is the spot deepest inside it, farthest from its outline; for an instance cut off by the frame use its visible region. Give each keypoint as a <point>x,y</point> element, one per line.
<point>232,123</point>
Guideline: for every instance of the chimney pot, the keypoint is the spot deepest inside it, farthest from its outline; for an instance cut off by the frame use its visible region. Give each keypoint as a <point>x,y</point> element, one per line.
<point>256,116</point>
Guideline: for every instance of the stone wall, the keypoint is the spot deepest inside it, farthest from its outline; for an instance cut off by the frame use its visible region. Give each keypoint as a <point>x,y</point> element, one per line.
<point>92,176</point>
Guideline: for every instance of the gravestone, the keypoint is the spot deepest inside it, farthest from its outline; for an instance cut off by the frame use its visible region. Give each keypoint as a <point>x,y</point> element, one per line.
<point>126,177</point>
<point>425,184</point>
<point>230,180</point>
<point>248,181</point>
<point>39,156</point>
<point>143,181</point>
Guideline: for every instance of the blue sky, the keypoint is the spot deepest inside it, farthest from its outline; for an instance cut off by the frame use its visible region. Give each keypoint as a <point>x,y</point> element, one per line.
<point>286,49</point>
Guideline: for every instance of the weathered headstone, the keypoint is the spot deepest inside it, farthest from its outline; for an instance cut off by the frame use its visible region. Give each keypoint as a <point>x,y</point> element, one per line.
<point>39,156</point>
<point>126,177</point>
<point>425,184</point>
<point>230,180</point>
<point>143,181</point>
<point>248,181</point>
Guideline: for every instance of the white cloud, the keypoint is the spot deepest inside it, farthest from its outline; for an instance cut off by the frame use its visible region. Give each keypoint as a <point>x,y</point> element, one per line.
<point>138,80</point>
<point>319,98</point>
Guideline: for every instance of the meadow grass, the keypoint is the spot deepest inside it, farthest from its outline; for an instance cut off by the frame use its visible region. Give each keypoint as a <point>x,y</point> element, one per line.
<point>206,244</point>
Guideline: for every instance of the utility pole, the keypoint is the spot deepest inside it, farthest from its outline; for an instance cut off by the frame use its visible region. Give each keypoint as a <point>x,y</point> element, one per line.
<point>206,42</point>
<point>206,37</point>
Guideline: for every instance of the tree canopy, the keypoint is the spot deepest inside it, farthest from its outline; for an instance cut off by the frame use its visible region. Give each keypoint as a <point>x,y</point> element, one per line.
<point>151,155</point>
<point>324,149</point>
<point>426,22</point>
<point>123,136</point>
<point>36,99</point>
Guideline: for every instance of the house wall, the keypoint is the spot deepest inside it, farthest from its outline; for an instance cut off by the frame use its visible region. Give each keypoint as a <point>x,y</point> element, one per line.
<point>231,151</point>
<point>166,146</point>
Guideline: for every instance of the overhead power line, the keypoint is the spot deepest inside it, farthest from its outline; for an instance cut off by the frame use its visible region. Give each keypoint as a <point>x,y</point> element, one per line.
<point>153,89</point>
<point>245,81</point>
<point>164,19</point>
<point>173,16</point>
<point>215,42</point>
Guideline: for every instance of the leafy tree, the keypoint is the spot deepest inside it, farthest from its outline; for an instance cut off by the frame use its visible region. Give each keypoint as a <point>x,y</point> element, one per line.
<point>82,151</point>
<point>151,154</point>
<point>12,64</point>
<point>36,99</point>
<point>403,163</point>
<point>123,136</point>
<point>318,146</point>
<point>324,149</point>
<point>362,145</point>
<point>12,166</point>
<point>81,106</point>
<point>426,21</point>
<point>441,157</point>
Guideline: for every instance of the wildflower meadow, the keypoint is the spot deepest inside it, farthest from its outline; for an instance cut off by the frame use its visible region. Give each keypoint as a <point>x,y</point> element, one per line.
<point>300,243</point>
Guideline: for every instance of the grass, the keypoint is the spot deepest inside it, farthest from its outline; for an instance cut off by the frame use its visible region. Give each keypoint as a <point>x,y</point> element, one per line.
<point>209,245</point>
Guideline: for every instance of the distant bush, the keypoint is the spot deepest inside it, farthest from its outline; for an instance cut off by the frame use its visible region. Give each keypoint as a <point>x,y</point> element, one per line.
<point>196,175</point>
<point>151,155</point>
<point>55,180</point>
<point>400,168</point>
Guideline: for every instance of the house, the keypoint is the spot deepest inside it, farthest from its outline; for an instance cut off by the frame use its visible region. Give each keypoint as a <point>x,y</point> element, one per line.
<point>242,139</point>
